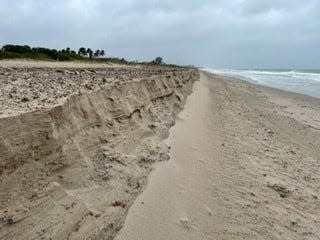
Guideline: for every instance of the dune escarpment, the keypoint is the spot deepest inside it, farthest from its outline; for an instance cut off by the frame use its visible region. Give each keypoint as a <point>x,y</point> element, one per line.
<point>71,166</point>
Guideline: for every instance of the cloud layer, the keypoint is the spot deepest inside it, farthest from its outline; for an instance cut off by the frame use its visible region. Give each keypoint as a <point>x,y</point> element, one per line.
<point>234,33</point>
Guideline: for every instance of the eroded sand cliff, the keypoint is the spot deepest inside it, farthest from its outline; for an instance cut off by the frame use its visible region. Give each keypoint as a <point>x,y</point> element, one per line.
<point>76,145</point>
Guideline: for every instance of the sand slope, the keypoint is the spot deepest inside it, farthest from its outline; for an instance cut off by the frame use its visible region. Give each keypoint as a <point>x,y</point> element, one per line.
<point>244,165</point>
<point>71,167</point>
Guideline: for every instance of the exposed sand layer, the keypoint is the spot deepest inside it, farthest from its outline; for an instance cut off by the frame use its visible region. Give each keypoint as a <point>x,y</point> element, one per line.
<point>71,165</point>
<point>244,165</point>
<point>28,85</point>
<point>25,63</point>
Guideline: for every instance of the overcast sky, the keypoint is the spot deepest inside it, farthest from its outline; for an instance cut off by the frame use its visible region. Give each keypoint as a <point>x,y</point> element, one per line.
<point>211,33</point>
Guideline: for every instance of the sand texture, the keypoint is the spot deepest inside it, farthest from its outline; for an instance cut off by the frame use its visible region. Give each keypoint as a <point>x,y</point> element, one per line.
<point>244,165</point>
<point>77,143</point>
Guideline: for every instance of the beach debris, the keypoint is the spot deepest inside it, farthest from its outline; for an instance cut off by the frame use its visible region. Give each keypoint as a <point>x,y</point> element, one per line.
<point>293,223</point>
<point>270,132</point>
<point>13,216</point>
<point>283,191</point>
<point>24,99</point>
<point>252,194</point>
<point>95,213</point>
<point>103,140</point>
<point>119,204</point>
<point>209,211</point>
<point>152,126</point>
<point>88,86</point>
<point>185,223</point>
<point>293,152</point>
<point>313,127</point>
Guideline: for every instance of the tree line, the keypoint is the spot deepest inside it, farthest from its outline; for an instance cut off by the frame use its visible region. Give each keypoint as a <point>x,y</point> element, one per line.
<point>25,51</point>
<point>11,51</point>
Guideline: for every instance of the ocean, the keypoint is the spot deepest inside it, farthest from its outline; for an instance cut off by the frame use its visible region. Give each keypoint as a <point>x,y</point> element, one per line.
<point>299,81</point>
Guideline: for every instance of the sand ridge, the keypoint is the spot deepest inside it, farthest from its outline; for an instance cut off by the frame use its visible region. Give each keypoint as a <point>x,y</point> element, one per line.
<point>28,86</point>
<point>71,169</point>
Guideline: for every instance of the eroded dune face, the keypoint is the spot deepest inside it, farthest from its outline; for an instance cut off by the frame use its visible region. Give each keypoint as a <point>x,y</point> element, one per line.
<point>76,145</point>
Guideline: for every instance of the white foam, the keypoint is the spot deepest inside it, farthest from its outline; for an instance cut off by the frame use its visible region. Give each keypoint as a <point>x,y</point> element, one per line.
<point>293,80</point>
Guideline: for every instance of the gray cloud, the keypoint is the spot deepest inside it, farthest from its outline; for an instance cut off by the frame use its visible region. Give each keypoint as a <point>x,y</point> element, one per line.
<point>235,33</point>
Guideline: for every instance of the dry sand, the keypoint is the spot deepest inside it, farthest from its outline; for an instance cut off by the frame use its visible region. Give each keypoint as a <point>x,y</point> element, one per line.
<point>76,144</point>
<point>244,165</point>
<point>25,63</point>
<point>30,85</point>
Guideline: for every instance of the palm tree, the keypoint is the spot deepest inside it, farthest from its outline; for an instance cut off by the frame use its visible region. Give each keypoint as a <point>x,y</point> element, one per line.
<point>89,52</point>
<point>97,53</point>
<point>102,53</point>
<point>82,51</point>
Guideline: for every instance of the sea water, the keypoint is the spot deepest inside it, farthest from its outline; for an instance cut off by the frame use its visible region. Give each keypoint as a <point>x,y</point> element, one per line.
<point>299,81</point>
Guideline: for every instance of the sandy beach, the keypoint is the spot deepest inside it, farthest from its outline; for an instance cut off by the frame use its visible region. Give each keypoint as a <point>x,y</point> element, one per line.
<point>244,165</point>
<point>159,120</point>
<point>77,142</point>
<point>154,153</point>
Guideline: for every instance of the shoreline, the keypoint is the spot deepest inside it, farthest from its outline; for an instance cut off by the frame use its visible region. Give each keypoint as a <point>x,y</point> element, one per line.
<point>267,84</point>
<point>266,87</point>
<point>262,160</point>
